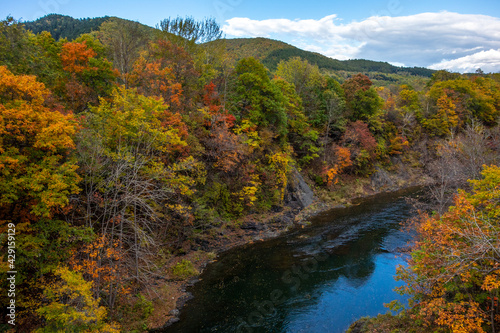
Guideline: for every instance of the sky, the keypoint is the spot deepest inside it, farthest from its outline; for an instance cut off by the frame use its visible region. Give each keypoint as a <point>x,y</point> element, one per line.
<point>459,36</point>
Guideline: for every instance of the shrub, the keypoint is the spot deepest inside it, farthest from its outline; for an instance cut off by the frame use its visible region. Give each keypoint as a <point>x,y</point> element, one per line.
<point>183,270</point>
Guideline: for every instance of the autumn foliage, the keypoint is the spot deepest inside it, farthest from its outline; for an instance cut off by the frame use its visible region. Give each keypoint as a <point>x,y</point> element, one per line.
<point>34,144</point>
<point>454,273</point>
<point>88,76</point>
<point>37,178</point>
<point>109,173</point>
<point>71,304</point>
<point>342,161</point>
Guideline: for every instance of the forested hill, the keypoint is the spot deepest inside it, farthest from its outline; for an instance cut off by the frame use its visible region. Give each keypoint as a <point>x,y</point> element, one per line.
<point>63,26</point>
<point>271,52</point>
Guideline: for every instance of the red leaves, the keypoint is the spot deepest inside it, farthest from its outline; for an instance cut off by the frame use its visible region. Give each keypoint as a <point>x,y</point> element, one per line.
<point>211,98</point>
<point>342,161</point>
<point>217,113</point>
<point>355,83</point>
<point>152,79</point>
<point>358,136</point>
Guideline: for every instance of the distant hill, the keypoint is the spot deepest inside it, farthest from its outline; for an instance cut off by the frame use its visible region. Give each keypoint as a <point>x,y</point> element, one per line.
<point>270,52</point>
<point>63,26</point>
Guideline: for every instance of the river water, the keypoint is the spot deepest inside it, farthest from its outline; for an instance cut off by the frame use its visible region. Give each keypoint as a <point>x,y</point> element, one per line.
<point>317,279</point>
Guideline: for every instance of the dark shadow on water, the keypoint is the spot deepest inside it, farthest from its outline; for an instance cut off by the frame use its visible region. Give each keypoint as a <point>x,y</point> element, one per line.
<point>317,279</point>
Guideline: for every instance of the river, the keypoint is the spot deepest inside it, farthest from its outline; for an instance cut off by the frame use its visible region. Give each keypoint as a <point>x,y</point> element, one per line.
<point>317,279</point>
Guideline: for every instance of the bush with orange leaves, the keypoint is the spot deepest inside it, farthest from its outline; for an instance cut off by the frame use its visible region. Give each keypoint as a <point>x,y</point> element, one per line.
<point>342,161</point>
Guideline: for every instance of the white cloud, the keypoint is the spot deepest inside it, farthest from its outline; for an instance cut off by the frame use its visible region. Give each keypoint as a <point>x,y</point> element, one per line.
<point>488,61</point>
<point>417,40</point>
<point>398,64</point>
<point>242,26</point>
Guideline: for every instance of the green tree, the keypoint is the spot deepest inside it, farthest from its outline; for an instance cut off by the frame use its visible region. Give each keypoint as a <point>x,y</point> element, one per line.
<point>256,98</point>
<point>309,85</point>
<point>16,47</point>
<point>300,134</point>
<point>362,100</point>
<point>124,40</point>
<point>333,103</point>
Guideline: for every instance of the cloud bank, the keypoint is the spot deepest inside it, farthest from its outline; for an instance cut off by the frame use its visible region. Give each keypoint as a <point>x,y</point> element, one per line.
<point>444,40</point>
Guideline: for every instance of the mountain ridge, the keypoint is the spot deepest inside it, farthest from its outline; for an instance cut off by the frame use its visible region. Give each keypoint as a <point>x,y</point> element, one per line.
<point>269,51</point>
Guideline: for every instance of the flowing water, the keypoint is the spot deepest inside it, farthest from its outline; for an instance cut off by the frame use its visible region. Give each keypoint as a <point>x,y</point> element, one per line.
<point>317,279</point>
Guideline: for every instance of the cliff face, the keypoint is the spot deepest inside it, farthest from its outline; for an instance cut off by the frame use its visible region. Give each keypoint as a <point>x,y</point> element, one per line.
<point>380,180</point>
<point>298,192</point>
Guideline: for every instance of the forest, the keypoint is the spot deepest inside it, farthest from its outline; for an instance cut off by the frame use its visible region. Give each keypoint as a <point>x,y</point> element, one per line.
<point>127,152</point>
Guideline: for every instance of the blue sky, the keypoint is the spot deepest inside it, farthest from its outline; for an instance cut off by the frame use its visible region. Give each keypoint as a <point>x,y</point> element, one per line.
<point>455,35</point>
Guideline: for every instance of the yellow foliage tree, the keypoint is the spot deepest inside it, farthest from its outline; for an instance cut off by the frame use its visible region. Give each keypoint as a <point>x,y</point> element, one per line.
<point>281,164</point>
<point>445,119</point>
<point>71,306</point>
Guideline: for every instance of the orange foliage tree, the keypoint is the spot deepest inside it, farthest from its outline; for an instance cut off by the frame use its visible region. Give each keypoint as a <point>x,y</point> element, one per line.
<point>37,177</point>
<point>152,79</point>
<point>88,75</point>
<point>167,70</point>
<point>35,172</point>
<point>342,161</point>
<point>454,271</point>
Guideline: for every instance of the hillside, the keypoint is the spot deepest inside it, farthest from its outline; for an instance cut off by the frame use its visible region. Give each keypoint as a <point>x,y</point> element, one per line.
<point>63,26</point>
<point>271,52</point>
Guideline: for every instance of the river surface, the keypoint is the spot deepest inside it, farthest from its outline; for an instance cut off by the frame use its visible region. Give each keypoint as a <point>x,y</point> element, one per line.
<point>317,279</point>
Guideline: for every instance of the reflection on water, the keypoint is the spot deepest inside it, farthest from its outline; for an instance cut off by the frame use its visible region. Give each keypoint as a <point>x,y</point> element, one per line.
<point>318,279</point>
